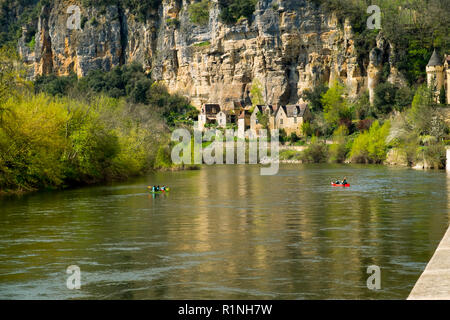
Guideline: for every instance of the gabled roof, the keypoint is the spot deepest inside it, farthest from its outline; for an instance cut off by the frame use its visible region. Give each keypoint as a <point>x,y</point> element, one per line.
<point>244,113</point>
<point>293,110</point>
<point>262,108</point>
<point>259,108</point>
<point>435,60</point>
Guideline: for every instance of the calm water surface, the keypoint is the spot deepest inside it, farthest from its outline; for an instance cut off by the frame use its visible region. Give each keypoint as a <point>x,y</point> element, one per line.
<point>225,232</point>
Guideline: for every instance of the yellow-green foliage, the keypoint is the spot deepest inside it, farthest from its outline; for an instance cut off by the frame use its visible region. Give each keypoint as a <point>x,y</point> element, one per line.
<point>334,104</point>
<point>371,146</point>
<point>199,12</point>
<point>338,150</point>
<point>256,93</point>
<point>50,142</point>
<point>317,151</point>
<point>32,142</point>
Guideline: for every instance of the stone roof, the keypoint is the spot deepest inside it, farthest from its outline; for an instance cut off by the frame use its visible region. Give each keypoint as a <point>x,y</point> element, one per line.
<point>294,110</point>
<point>435,60</point>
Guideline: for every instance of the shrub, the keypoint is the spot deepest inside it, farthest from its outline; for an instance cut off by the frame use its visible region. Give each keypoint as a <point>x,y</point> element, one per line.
<point>335,105</point>
<point>316,152</point>
<point>371,147</point>
<point>364,125</point>
<point>338,150</point>
<point>199,12</point>
<point>233,10</point>
<point>314,97</point>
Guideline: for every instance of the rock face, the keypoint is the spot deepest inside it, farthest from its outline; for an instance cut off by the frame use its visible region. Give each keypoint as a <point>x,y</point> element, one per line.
<point>287,47</point>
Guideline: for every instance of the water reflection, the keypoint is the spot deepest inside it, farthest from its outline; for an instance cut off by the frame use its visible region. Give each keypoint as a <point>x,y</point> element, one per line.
<point>227,232</point>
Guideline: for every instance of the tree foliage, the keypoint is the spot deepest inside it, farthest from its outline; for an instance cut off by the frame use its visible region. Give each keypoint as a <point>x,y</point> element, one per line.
<point>199,12</point>
<point>371,146</point>
<point>232,10</point>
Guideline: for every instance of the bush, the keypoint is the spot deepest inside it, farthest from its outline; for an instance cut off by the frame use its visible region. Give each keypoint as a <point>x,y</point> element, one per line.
<point>293,138</point>
<point>233,10</point>
<point>371,146</point>
<point>364,125</point>
<point>199,12</point>
<point>338,150</point>
<point>316,152</point>
<point>335,105</point>
<point>314,97</point>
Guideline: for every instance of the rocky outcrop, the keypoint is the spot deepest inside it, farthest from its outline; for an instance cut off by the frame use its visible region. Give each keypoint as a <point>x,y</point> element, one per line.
<point>287,47</point>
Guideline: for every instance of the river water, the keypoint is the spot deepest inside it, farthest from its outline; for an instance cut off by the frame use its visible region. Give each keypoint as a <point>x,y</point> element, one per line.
<point>226,232</point>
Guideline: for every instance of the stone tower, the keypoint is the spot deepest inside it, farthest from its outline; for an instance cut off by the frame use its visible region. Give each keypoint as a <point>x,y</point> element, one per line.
<point>447,76</point>
<point>435,73</point>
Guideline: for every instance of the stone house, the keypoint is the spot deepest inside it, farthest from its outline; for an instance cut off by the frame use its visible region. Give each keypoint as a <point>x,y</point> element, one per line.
<point>291,117</point>
<point>243,122</point>
<point>211,110</point>
<point>208,114</point>
<point>438,74</point>
<point>260,109</point>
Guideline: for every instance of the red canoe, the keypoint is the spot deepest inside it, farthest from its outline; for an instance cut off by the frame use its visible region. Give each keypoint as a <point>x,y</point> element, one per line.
<point>340,185</point>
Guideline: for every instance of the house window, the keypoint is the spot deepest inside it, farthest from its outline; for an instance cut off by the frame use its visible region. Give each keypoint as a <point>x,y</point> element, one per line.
<point>295,120</point>
<point>281,121</point>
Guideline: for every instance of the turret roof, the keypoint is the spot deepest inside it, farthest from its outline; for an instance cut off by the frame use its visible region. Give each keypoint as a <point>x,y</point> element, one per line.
<point>435,60</point>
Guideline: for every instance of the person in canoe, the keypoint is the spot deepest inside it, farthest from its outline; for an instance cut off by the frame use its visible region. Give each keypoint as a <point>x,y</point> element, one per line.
<point>344,182</point>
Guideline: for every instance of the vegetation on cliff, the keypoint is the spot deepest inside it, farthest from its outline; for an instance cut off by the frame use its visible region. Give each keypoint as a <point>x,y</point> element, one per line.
<point>414,28</point>
<point>416,129</point>
<point>103,127</point>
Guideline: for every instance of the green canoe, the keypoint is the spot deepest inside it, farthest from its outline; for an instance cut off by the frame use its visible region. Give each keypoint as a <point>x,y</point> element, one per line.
<point>158,192</point>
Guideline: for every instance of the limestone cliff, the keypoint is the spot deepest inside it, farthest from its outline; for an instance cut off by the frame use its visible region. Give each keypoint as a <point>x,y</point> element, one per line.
<point>288,46</point>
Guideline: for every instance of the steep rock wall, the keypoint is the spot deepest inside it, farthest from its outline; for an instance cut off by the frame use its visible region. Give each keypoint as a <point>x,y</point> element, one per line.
<point>288,46</point>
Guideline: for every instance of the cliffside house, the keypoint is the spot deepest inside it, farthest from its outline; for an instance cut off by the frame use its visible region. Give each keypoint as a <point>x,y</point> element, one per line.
<point>261,109</point>
<point>438,74</point>
<point>225,117</point>
<point>291,117</point>
<point>244,120</point>
<point>211,110</point>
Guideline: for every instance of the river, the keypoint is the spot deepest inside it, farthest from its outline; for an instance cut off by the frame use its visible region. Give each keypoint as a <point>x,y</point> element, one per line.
<point>226,232</point>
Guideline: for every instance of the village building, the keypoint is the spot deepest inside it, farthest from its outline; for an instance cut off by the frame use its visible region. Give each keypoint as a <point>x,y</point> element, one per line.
<point>211,110</point>
<point>438,74</point>
<point>208,114</point>
<point>221,119</point>
<point>291,117</point>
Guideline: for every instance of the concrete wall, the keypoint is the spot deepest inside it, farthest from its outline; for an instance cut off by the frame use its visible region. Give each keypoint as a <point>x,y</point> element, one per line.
<point>447,164</point>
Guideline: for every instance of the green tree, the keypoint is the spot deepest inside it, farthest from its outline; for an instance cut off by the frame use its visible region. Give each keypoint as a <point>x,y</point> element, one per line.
<point>371,146</point>
<point>338,150</point>
<point>442,96</point>
<point>256,94</point>
<point>199,12</point>
<point>335,104</point>
<point>314,97</point>
<point>317,151</point>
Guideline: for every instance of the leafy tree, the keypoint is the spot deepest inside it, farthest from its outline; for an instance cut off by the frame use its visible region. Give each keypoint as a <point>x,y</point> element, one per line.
<point>384,100</point>
<point>263,119</point>
<point>442,96</point>
<point>338,150</point>
<point>316,152</point>
<point>232,10</point>
<point>314,97</point>
<point>334,104</point>
<point>256,93</point>
<point>371,146</point>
